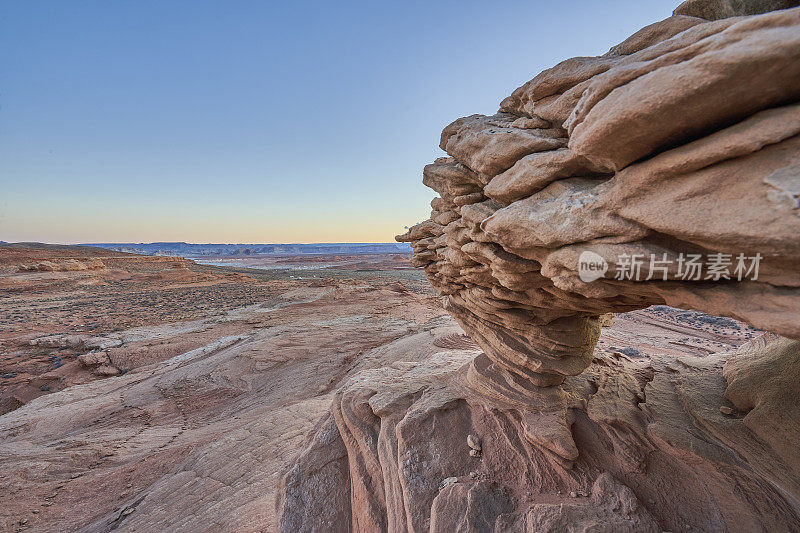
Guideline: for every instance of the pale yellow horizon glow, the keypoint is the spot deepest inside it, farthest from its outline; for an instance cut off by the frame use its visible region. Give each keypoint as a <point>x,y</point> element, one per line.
<point>107,225</point>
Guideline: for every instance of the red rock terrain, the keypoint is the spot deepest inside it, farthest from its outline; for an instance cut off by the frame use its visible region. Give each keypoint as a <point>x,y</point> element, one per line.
<point>215,404</point>
<point>69,313</point>
<point>175,403</point>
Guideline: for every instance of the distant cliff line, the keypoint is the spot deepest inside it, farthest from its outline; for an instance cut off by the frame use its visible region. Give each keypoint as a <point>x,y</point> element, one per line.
<point>192,250</point>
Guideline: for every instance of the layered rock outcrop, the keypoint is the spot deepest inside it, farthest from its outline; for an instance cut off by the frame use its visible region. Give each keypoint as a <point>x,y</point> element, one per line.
<point>681,142</point>
<point>666,171</point>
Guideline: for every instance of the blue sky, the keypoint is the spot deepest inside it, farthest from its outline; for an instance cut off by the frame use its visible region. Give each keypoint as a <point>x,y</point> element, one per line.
<point>246,121</point>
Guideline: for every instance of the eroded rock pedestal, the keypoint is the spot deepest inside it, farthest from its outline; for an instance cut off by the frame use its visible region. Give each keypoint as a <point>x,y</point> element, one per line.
<point>681,141</point>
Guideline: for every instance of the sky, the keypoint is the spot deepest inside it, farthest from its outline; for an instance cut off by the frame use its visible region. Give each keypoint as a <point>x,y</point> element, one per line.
<point>258,121</point>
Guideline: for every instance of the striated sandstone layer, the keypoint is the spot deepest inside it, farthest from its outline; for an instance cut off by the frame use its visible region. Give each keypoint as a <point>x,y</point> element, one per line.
<point>682,140</point>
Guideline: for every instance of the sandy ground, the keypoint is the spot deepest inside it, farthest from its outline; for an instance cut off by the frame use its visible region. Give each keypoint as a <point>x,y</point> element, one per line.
<point>161,395</point>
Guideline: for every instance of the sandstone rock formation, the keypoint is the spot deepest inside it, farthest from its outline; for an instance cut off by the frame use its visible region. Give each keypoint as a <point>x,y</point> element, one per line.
<point>681,140</point>
<point>679,147</point>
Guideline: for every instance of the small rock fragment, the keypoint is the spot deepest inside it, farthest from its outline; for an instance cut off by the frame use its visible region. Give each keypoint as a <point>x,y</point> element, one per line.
<point>474,442</point>
<point>107,370</point>
<point>448,481</point>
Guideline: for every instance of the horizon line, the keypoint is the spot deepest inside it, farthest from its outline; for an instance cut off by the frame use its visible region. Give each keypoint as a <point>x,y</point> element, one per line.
<point>200,243</point>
